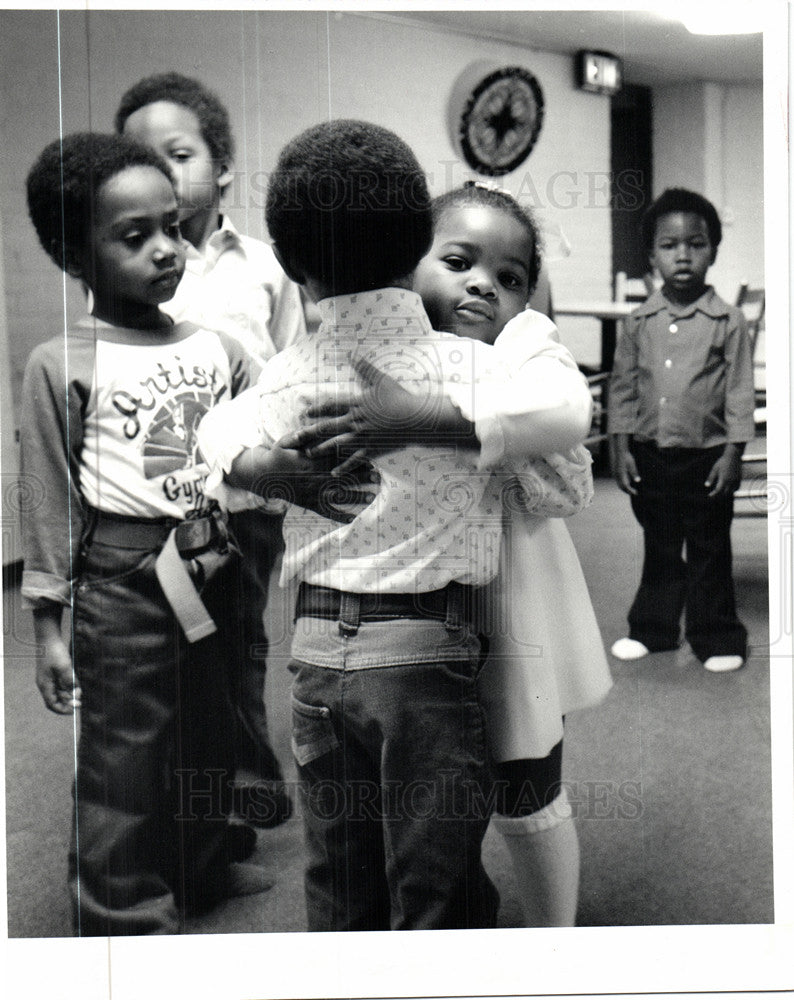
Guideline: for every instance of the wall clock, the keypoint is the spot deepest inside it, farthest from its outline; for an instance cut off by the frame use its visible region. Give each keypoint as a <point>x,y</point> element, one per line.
<point>495,121</point>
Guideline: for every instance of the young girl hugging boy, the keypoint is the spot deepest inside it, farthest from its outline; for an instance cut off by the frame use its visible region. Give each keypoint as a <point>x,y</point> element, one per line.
<point>385,650</point>
<point>546,656</point>
<point>127,542</point>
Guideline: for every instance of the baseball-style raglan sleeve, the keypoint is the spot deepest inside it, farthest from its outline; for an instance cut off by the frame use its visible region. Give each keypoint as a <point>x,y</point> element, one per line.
<point>244,369</point>
<point>623,382</point>
<point>739,382</point>
<point>54,399</point>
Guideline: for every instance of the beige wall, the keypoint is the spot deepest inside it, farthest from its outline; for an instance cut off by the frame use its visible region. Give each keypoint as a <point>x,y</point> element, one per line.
<point>279,72</point>
<point>709,137</point>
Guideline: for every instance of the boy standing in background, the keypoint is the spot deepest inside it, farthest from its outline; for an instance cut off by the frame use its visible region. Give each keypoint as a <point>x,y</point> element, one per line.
<point>680,413</point>
<point>234,284</point>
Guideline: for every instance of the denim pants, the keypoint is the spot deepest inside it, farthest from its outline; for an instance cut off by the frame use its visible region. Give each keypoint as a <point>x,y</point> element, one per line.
<point>259,538</point>
<point>673,507</point>
<point>154,763</point>
<point>389,740</point>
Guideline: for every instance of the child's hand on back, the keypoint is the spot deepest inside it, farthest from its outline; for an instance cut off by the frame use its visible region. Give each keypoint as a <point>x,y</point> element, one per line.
<point>385,416</point>
<point>282,472</point>
<point>624,468</point>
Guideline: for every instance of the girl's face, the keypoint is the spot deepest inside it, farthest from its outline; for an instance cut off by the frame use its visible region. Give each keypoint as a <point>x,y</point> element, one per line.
<point>476,275</point>
<point>134,256</point>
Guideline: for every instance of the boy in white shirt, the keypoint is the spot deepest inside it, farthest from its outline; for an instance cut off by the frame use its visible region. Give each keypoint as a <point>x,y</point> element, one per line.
<point>234,284</point>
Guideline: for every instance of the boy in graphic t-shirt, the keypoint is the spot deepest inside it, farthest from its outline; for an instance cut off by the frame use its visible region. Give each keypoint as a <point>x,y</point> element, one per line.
<point>127,542</point>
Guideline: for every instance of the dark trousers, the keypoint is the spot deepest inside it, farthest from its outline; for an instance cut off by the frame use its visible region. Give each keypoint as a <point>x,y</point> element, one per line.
<point>259,538</point>
<point>673,507</point>
<point>154,765</point>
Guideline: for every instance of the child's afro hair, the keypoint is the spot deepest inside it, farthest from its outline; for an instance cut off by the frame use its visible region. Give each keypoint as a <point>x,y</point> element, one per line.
<point>681,200</point>
<point>348,205</point>
<point>213,118</point>
<point>486,194</point>
<point>62,186</point>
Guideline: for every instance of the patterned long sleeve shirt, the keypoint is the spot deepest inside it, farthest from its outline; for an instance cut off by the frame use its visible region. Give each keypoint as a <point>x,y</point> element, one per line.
<point>437,516</point>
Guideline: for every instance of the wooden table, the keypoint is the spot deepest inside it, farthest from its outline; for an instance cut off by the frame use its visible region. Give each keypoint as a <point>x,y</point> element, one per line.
<point>609,314</point>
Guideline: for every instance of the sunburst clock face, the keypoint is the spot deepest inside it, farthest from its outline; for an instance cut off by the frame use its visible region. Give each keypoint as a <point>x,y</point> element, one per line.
<point>500,121</point>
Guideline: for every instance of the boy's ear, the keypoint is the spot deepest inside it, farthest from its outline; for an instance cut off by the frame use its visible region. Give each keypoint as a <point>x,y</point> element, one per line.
<point>225,176</point>
<point>292,272</point>
<point>71,261</point>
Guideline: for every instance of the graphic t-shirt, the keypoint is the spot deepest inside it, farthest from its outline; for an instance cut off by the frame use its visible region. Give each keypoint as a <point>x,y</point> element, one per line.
<point>109,420</point>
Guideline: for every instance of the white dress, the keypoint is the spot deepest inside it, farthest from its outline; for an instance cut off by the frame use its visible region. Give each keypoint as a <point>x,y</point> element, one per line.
<point>546,656</point>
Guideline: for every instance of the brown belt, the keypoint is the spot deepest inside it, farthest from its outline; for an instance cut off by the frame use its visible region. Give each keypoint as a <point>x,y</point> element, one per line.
<point>193,535</point>
<point>177,542</point>
<point>451,604</point>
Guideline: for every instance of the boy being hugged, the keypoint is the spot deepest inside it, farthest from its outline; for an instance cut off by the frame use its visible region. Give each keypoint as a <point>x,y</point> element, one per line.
<point>128,543</point>
<point>387,729</point>
<point>231,283</point>
<point>680,413</point>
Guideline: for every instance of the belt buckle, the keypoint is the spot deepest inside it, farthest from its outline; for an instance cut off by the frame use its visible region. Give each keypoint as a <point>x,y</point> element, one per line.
<point>194,535</point>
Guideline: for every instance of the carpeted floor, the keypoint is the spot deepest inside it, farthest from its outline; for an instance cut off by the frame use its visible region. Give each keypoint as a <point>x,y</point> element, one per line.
<point>670,777</point>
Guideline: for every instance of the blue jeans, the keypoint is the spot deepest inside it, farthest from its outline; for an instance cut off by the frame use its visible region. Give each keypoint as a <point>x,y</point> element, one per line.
<point>389,740</point>
<point>154,765</point>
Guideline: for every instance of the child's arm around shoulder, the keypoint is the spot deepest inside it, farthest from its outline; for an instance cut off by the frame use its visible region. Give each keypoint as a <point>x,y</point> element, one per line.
<point>539,403</point>
<point>244,369</point>
<point>287,321</point>
<point>232,428</point>
<point>560,483</point>
<point>251,468</point>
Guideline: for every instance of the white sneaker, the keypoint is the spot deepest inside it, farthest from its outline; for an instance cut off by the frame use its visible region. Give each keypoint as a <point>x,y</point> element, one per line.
<point>629,649</point>
<point>721,664</point>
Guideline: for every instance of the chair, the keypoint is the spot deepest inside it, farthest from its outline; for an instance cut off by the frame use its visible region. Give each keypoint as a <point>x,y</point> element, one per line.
<point>633,289</point>
<point>752,302</point>
<point>626,290</point>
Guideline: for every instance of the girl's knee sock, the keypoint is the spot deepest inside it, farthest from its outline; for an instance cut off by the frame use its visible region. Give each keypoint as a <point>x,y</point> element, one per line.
<point>544,849</point>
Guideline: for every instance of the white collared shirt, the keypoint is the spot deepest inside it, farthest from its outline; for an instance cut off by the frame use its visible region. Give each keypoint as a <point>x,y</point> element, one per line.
<point>237,286</point>
<point>437,515</point>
